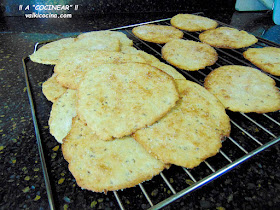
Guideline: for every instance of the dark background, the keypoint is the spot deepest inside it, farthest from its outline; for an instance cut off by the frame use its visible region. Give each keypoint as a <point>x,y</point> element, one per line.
<point>10,7</point>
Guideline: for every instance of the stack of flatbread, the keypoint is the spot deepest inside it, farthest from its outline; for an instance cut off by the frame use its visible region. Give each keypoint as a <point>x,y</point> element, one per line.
<point>107,99</point>
<point>122,115</point>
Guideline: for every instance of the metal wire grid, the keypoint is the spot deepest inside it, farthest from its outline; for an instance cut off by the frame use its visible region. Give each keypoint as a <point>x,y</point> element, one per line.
<point>231,163</point>
<point>226,57</point>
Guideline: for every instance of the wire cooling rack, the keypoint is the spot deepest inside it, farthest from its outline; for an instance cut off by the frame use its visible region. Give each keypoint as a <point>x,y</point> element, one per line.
<point>251,133</point>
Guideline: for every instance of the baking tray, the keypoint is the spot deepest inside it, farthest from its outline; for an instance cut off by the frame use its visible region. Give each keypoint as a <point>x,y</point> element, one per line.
<point>251,133</point>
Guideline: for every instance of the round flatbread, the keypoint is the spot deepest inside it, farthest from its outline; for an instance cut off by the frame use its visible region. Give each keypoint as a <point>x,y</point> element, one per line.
<point>189,55</point>
<point>266,58</point>
<point>51,89</point>
<point>105,43</point>
<point>62,112</point>
<point>103,166</point>
<point>225,37</point>
<point>124,40</point>
<point>192,23</point>
<point>115,100</point>
<point>49,53</point>
<point>71,70</point>
<point>191,132</point>
<point>243,89</point>
<point>157,33</point>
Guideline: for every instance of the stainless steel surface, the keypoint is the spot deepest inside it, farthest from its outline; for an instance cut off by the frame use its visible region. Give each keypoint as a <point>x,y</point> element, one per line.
<point>254,144</point>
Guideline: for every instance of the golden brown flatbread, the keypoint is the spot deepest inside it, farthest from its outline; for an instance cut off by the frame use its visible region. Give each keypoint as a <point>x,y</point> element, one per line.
<point>243,89</point>
<point>157,33</point>
<point>115,100</point>
<point>226,37</point>
<point>71,70</point>
<point>189,55</point>
<point>123,39</point>
<point>192,23</point>
<point>111,44</point>
<point>191,132</point>
<point>266,58</point>
<point>49,53</point>
<point>102,166</point>
<point>51,89</point>
<point>62,112</point>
